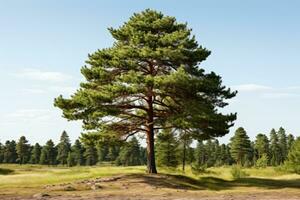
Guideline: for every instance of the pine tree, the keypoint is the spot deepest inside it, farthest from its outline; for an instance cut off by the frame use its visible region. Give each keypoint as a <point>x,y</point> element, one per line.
<point>290,141</point>
<point>262,145</point>
<point>200,154</point>
<point>63,148</point>
<point>78,151</point>
<point>275,153</point>
<point>1,152</point>
<point>130,153</point>
<point>48,154</point>
<point>184,147</point>
<point>102,150</point>
<point>282,141</point>
<point>149,78</point>
<point>293,160</point>
<point>35,154</point>
<point>23,150</point>
<point>240,146</point>
<point>90,142</point>
<point>71,159</point>
<point>10,153</point>
<point>113,152</point>
<point>90,155</point>
<point>167,149</point>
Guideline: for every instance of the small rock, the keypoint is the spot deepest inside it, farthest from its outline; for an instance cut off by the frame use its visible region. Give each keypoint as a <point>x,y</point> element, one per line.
<point>41,195</point>
<point>69,188</point>
<point>96,187</point>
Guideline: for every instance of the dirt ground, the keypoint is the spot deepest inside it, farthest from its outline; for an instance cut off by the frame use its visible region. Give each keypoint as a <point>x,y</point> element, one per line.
<point>146,187</point>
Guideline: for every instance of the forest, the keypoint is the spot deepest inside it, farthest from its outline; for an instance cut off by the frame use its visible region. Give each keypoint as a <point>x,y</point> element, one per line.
<point>277,149</point>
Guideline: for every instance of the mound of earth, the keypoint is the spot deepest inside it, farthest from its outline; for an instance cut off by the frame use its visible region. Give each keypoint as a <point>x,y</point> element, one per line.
<point>154,187</point>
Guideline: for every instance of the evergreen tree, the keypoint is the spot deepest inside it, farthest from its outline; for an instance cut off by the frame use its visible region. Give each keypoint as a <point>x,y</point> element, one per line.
<point>90,155</point>
<point>261,145</point>
<point>1,152</point>
<point>48,154</point>
<point>149,78</point>
<point>167,149</point>
<point>10,153</point>
<point>225,158</point>
<point>103,151</point>
<point>71,159</point>
<point>113,152</point>
<point>78,151</point>
<point>293,160</point>
<point>90,152</point>
<point>63,148</point>
<point>35,154</point>
<point>23,150</point>
<point>240,146</point>
<point>130,153</point>
<point>275,153</point>
<point>282,141</point>
<point>200,154</point>
<point>290,141</point>
<point>184,147</point>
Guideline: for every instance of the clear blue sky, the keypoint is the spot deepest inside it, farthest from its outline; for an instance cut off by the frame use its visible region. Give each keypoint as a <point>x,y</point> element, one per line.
<point>43,44</point>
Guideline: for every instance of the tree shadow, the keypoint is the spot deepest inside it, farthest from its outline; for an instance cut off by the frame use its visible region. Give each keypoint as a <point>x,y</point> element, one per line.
<point>4,171</point>
<point>211,183</point>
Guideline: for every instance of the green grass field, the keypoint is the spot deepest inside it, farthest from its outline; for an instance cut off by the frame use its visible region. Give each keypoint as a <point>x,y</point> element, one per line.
<point>31,178</point>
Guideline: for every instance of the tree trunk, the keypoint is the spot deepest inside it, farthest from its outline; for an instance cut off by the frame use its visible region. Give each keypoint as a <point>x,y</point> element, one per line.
<point>151,166</point>
<point>150,138</point>
<point>184,155</point>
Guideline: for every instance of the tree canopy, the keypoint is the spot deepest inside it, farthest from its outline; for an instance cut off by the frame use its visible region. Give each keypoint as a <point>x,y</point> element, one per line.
<point>150,79</point>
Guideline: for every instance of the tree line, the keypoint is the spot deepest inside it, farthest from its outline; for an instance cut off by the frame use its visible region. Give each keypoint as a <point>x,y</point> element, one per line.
<point>80,153</point>
<point>172,149</point>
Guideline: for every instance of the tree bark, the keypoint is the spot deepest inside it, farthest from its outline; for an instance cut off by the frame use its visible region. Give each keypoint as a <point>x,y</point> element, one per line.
<point>184,156</point>
<point>150,139</point>
<point>151,166</point>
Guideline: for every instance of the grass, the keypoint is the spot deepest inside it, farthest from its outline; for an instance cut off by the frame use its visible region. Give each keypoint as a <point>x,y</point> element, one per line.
<point>34,177</point>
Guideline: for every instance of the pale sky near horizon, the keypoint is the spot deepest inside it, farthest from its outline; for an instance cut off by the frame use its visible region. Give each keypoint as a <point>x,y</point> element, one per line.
<point>43,44</point>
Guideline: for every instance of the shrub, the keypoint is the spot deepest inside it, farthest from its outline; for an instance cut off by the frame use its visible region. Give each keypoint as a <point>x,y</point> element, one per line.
<point>198,169</point>
<point>293,161</point>
<point>237,172</point>
<point>262,162</point>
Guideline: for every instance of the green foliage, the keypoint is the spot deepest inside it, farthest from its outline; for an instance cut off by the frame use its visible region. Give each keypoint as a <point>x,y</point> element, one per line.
<point>23,150</point>
<point>150,77</point>
<point>274,149</point>
<point>71,160</point>
<point>63,148</point>
<point>262,162</point>
<point>77,152</point>
<point>9,152</point>
<point>290,141</point>
<point>198,169</point>
<point>167,149</point>
<point>35,154</point>
<point>130,153</point>
<point>282,141</point>
<point>293,161</point>
<point>240,147</point>
<point>237,172</point>
<point>48,154</point>
<point>1,153</point>
<point>90,155</point>
<point>261,145</point>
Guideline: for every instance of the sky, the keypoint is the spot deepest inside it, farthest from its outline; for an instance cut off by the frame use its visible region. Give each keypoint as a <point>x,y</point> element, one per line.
<point>43,44</point>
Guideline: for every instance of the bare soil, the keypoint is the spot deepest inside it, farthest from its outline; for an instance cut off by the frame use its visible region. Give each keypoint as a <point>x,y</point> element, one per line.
<point>156,187</point>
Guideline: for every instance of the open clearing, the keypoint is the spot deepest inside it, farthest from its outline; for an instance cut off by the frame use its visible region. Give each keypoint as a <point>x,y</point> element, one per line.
<point>108,182</point>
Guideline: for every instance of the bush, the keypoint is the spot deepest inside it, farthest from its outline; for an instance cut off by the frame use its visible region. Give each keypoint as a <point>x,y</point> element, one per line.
<point>237,172</point>
<point>262,162</point>
<point>293,161</point>
<point>198,169</point>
